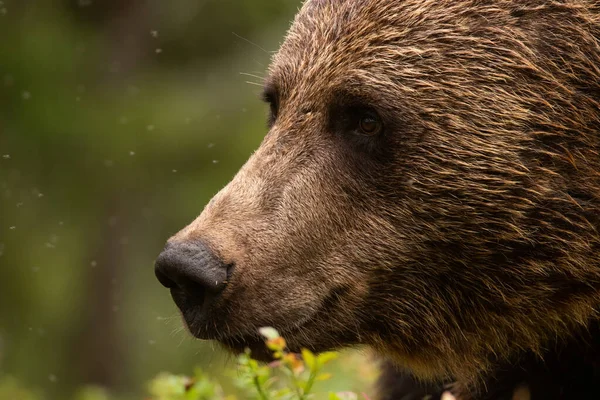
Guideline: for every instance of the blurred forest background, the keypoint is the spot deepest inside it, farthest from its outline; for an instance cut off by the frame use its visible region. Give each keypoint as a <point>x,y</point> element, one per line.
<point>119,119</point>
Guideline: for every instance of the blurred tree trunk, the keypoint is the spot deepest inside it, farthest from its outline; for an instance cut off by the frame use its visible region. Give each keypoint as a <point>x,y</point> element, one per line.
<point>100,344</point>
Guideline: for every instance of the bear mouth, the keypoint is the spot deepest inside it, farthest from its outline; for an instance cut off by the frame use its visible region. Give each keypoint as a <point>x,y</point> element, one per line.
<point>254,342</point>
<point>256,345</point>
<point>204,328</point>
<point>216,321</point>
<point>207,322</point>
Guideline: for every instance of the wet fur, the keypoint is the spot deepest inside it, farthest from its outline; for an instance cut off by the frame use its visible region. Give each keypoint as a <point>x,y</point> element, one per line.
<point>464,242</point>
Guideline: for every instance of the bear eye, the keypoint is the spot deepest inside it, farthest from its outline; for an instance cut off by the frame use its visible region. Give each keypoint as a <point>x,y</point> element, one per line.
<point>270,97</point>
<point>273,109</point>
<point>370,124</point>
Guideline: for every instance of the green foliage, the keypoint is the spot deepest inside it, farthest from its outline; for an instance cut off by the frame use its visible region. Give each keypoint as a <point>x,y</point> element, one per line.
<point>92,393</point>
<point>300,371</point>
<point>289,377</point>
<point>11,389</point>
<point>174,387</point>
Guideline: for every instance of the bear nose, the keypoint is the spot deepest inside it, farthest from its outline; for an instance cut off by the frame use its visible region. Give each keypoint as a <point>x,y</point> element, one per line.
<point>191,267</point>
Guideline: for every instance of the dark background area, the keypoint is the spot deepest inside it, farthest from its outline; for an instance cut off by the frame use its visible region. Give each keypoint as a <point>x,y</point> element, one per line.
<point>119,119</point>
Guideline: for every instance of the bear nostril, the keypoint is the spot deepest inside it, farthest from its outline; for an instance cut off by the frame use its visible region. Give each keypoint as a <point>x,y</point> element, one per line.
<point>164,279</point>
<point>192,268</point>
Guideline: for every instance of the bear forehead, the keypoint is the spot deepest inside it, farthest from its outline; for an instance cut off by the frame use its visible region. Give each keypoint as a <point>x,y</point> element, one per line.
<point>373,44</point>
<point>333,44</point>
<point>412,44</point>
<point>340,29</point>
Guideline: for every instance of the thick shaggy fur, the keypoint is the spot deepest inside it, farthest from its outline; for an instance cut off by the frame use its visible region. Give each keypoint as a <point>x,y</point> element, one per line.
<point>463,241</point>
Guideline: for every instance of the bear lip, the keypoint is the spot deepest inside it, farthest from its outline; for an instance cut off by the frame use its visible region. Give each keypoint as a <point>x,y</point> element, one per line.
<point>198,319</point>
<point>194,320</point>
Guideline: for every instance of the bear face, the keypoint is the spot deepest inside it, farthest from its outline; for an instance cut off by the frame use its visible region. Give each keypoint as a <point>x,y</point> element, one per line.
<point>429,186</point>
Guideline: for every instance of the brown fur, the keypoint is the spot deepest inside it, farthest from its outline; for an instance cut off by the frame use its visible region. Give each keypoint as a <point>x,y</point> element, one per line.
<point>463,236</point>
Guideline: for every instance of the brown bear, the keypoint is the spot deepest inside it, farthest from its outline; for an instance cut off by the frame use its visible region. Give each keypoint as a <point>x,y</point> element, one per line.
<point>429,187</point>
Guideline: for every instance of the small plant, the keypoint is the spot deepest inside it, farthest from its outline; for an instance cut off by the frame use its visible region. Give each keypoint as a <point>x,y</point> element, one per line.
<point>301,370</point>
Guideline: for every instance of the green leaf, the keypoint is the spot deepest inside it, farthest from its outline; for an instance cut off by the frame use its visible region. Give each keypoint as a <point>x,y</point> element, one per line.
<point>309,359</point>
<point>323,377</point>
<point>326,357</point>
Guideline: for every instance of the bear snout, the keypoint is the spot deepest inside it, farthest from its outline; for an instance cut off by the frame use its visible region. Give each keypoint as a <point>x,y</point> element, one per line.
<point>195,274</point>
